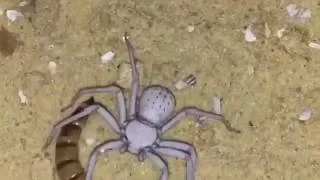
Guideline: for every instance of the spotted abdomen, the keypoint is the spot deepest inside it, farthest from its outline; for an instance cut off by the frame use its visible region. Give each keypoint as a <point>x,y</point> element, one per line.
<point>156,104</point>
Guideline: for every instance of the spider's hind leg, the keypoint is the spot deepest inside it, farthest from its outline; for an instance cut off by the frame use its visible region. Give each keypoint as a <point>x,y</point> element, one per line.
<point>110,89</point>
<point>200,115</point>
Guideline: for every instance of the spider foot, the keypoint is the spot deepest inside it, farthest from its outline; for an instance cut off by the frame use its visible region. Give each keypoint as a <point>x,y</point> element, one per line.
<point>203,118</point>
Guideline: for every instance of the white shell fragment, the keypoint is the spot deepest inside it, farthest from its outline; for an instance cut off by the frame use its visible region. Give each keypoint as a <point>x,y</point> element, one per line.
<point>280,32</point>
<point>186,82</point>
<point>190,29</point>
<point>267,31</point>
<point>90,141</point>
<point>314,45</point>
<point>305,115</point>
<point>52,67</point>
<point>14,15</point>
<point>107,57</point>
<point>298,14</point>
<point>292,9</point>
<point>248,34</point>
<point>217,105</point>
<point>23,98</point>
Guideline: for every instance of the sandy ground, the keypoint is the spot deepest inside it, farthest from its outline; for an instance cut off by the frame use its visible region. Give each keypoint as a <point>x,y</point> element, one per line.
<point>264,85</point>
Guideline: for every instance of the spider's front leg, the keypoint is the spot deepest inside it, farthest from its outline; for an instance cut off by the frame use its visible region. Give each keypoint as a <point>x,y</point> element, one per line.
<point>199,114</point>
<point>110,89</point>
<point>135,77</point>
<point>104,112</point>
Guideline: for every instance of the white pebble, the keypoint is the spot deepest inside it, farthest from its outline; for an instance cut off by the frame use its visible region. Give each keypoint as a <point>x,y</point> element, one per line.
<point>90,141</point>
<point>23,98</point>
<point>292,9</point>
<point>250,70</point>
<point>305,115</point>
<point>267,31</point>
<point>190,28</point>
<point>280,32</point>
<point>298,14</point>
<point>217,105</point>
<point>14,15</point>
<point>107,57</point>
<point>52,67</point>
<point>248,34</point>
<point>314,45</point>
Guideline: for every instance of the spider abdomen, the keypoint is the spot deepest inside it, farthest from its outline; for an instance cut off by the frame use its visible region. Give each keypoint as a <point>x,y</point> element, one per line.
<point>157,103</point>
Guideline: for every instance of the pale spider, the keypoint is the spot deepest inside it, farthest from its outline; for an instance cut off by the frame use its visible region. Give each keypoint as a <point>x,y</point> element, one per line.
<point>150,115</point>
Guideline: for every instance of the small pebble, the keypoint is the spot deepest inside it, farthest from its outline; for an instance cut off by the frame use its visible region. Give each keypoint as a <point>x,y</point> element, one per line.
<point>107,57</point>
<point>314,45</point>
<point>90,141</point>
<point>267,31</point>
<point>23,98</point>
<point>305,115</point>
<point>52,67</point>
<point>280,32</point>
<point>217,105</point>
<point>14,15</point>
<point>298,14</point>
<point>190,29</point>
<point>251,70</point>
<point>248,34</point>
<point>292,9</point>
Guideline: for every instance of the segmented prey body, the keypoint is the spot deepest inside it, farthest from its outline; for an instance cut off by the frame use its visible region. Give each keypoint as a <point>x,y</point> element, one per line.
<point>67,161</point>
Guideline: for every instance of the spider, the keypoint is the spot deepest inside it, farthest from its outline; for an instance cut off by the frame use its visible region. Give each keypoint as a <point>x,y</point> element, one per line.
<point>151,114</point>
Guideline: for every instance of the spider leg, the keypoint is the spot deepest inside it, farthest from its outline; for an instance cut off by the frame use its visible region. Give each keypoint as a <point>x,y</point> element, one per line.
<point>111,89</point>
<point>107,116</point>
<point>172,152</point>
<point>199,114</point>
<point>101,148</point>
<point>156,159</point>
<point>135,77</point>
<point>183,146</point>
